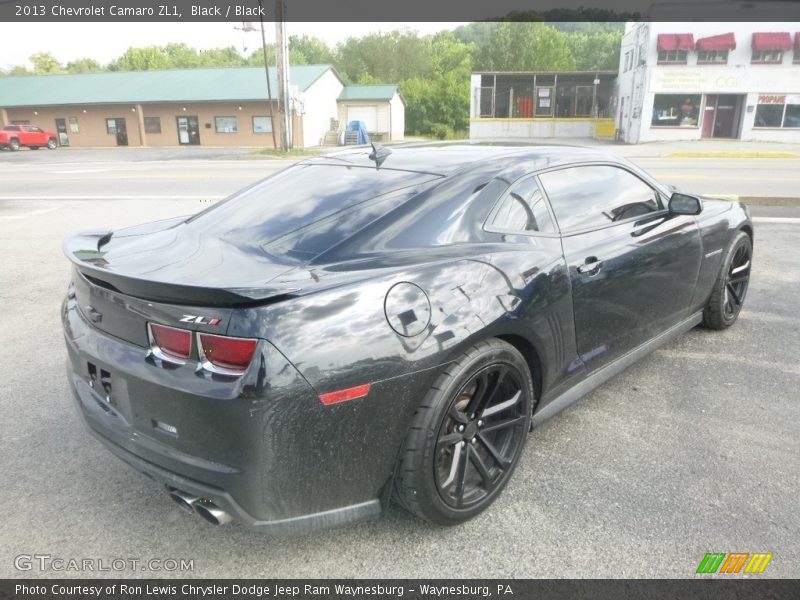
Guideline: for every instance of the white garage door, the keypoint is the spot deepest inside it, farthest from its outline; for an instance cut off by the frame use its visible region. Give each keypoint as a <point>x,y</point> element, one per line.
<point>368,114</point>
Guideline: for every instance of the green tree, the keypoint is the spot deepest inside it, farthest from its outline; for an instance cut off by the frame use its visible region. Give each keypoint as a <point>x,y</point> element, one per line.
<point>141,59</point>
<point>525,47</point>
<point>308,50</point>
<point>83,65</point>
<point>598,50</point>
<point>44,63</point>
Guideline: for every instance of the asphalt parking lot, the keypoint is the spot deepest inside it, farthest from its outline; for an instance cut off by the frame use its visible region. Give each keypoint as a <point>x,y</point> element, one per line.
<point>694,449</point>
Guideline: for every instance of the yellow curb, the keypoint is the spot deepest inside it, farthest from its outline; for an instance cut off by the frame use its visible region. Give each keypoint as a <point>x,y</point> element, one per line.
<point>731,154</point>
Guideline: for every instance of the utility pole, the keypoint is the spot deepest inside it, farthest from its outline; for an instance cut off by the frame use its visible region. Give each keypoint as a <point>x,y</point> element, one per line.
<point>283,75</point>
<point>266,72</point>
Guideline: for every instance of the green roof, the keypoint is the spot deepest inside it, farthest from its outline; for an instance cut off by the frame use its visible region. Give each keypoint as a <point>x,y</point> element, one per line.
<point>378,91</point>
<point>179,85</point>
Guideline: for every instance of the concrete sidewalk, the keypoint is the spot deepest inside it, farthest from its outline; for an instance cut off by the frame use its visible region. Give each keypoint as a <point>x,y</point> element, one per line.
<point>698,149</point>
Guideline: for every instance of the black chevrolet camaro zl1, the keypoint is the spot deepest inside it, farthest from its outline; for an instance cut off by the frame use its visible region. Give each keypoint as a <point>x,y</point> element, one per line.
<point>383,324</point>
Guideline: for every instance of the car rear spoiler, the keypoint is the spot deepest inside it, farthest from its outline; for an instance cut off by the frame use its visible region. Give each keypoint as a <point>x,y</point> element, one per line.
<point>84,250</point>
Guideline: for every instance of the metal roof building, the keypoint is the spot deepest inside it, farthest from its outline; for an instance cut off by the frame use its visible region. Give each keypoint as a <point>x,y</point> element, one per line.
<point>216,107</point>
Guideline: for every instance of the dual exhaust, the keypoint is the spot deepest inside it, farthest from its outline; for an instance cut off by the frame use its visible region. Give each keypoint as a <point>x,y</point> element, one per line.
<point>201,506</point>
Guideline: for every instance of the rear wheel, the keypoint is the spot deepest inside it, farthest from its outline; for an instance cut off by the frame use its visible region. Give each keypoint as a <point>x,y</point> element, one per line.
<point>467,435</point>
<point>727,296</point>
<point>13,144</point>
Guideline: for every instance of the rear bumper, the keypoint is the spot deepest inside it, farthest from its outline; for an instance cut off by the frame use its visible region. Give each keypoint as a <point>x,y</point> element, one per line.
<point>246,445</point>
<point>293,525</point>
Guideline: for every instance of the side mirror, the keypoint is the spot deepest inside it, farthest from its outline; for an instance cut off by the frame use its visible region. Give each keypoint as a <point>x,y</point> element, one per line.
<point>681,204</point>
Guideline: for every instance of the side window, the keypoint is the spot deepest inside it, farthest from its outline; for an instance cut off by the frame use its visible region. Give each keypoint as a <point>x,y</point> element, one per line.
<point>523,208</point>
<point>593,196</point>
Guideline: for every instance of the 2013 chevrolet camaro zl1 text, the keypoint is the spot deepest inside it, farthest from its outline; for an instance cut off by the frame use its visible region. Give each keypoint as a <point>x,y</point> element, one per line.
<point>384,324</point>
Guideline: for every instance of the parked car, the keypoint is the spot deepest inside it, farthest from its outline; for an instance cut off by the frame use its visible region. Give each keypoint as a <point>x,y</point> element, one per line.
<point>368,326</point>
<point>14,137</point>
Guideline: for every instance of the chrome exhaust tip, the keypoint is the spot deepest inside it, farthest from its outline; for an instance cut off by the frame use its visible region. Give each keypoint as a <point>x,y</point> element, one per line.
<point>211,512</point>
<point>182,499</point>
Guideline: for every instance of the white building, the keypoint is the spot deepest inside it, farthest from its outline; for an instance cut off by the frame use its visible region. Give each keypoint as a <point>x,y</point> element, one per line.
<point>695,80</point>
<point>380,106</point>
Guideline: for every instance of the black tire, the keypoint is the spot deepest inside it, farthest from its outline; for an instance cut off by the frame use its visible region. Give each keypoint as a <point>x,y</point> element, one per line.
<point>470,394</point>
<point>13,144</point>
<point>52,144</point>
<point>729,291</point>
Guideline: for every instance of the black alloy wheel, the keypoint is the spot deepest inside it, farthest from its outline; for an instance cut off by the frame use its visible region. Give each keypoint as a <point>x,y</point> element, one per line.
<point>467,435</point>
<point>736,282</point>
<point>730,289</point>
<point>480,436</point>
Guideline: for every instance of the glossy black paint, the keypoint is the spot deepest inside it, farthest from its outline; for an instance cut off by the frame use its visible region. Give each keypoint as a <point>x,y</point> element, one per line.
<point>348,290</point>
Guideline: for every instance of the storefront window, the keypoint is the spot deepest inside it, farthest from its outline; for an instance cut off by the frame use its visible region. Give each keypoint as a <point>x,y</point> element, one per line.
<point>674,110</point>
<point>226,124</point>
<point>73,125</point>
<point>712,57</point>
<point>778,111</point>
<point>111,126</point>
<point>767,56</point>
<point>262,124</point>
<point>152,124</point>
<point>672,57</point>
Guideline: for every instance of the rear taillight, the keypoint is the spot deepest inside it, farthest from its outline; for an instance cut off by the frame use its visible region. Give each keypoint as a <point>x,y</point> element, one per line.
<point>170,343</point>
<point>226,355</point>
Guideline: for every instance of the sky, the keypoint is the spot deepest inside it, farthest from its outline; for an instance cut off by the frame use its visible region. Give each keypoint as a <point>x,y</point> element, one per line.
<point>106,41</point>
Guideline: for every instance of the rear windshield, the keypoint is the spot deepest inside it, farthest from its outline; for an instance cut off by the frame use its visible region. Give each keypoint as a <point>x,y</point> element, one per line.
<point>11,128</point>
<point>296,198</point>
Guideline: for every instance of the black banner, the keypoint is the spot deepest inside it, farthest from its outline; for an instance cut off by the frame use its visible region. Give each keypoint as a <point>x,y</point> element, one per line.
<point>373,589</point>
<point>405,11</point>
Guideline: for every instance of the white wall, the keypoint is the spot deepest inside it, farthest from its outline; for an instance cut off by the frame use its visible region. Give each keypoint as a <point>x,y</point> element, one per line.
<point>739,76</point>
<point>488,129</point>
<point>320,108</point>
<point>398,114</point>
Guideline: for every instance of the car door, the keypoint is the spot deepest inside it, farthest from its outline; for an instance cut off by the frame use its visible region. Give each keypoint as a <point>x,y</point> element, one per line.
<point>632,265</point>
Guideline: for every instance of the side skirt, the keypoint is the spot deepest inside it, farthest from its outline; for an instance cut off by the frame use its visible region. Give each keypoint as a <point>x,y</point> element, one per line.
<point>602,375</point>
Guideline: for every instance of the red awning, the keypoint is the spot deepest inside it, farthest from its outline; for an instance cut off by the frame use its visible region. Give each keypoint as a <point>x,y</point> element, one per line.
<point>724,41</point>
<point>668,42</point>
<point>772,41</point>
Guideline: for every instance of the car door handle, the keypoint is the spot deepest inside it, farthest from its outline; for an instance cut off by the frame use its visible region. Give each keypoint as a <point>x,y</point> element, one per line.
<point>591,266</point>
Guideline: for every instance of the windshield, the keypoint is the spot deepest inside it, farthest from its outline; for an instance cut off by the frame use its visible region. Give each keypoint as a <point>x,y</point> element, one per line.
<point>298,197</point>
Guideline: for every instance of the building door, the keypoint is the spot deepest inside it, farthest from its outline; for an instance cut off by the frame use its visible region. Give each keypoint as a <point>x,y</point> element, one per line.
<point>61,129</point>
<point>120,130</point>
<point>709,113</point>
<point>726,121</point>
<point>721,116</point>
<point>188,131</point>
<point>368,114</point>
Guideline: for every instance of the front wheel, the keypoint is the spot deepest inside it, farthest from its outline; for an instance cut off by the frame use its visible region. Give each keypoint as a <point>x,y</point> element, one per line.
<point>52,144</point>
<point>467,435</point>
<point>727,296</point>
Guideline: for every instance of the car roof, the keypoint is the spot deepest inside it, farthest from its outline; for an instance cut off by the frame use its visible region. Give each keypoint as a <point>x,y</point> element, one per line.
<point>454,157</point>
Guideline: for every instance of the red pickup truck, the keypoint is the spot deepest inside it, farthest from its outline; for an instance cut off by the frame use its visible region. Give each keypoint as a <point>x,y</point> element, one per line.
<point>15,136</point>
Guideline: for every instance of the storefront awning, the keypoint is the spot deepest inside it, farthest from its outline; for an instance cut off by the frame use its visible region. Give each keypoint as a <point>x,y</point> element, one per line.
<point>669,42</point>
<point>772,41</point>
<point>724,41</point>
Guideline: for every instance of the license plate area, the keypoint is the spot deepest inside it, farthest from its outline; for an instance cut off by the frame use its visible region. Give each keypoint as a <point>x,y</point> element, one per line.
<point>101,382</point>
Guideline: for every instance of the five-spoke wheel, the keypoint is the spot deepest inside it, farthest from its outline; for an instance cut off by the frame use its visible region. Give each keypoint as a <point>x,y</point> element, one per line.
<point>467,435</point>
<point>727,296</point>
